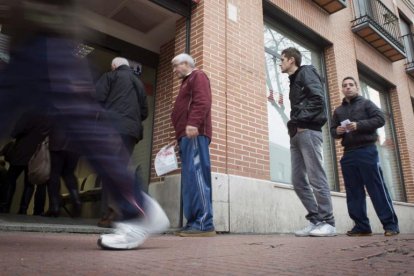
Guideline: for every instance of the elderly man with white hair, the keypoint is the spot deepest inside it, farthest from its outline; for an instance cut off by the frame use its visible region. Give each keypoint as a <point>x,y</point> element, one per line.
<point>123,96</point>
<point>191,118</point>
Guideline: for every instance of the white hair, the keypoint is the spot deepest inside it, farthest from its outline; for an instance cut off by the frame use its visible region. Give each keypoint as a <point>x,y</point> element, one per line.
<point>119,61</point>
<point>183,58</point>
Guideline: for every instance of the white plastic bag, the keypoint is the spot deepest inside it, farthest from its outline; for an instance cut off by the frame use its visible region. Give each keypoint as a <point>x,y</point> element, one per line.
<point>165,161</point>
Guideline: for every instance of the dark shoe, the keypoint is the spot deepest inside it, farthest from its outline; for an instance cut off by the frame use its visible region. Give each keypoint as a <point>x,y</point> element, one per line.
<point>197,233</point>
<point>76,203</point>
<point>106,220</point>
<point>22,212</point>
<point>105,223</point>
<point>177,233</point>
<point>389,233</point>
<point>51,213</point>
<point>355,233</point>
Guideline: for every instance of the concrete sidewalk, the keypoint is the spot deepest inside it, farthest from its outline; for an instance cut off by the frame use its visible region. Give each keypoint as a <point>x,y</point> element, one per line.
<point>11,222</point>
<point>24,253</point>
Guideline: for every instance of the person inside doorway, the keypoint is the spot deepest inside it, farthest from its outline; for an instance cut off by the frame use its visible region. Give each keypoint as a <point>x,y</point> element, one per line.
<point>122,95</point>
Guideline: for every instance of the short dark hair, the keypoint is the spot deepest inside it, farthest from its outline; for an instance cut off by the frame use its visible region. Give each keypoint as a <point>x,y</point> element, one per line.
<point>292,52</point>
<point>350,78</point>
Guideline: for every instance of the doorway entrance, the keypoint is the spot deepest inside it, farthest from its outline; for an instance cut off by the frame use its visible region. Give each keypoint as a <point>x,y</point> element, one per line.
<point>136,30</point>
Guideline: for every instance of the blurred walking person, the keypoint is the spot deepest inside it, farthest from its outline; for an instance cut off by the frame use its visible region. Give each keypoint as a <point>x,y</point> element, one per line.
<point>43,44</point>
<point>123,97</point>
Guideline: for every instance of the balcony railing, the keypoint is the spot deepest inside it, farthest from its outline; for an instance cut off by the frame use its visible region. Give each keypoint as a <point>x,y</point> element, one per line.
<point>409,46</point>
<point>379,26</point>
<point>331,6</point>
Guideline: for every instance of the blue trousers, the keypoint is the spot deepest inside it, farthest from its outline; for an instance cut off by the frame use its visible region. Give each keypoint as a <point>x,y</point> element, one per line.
<point>44,74</point>
<point>361,169</point>
<point>196,183</point>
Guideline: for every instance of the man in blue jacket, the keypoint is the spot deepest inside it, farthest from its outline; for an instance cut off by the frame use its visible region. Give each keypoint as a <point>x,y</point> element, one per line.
<point>307,117</point>
<point>356,122</point>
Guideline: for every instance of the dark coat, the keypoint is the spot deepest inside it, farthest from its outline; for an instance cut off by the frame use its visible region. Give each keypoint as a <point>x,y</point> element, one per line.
<point>123,96</point>
<point>368,118</point>
<point>307,100</point>
<point>30,130</point>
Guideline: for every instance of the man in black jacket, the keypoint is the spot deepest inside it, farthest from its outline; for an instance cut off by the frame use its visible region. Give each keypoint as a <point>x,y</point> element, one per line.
<point>356,122</point>
<point>123,96</point>
<point>307,117</point>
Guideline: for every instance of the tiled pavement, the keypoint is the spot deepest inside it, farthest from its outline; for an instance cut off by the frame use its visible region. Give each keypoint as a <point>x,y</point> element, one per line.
<point>27,253</point>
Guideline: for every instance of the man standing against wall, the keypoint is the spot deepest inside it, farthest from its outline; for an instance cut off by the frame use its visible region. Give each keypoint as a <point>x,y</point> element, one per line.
<point>356,122</point>
<point>191,118</point>
<point>307,116</point>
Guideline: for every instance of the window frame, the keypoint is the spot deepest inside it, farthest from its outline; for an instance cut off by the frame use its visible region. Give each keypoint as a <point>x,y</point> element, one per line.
<point>386,91</point>
<point>282,29</point>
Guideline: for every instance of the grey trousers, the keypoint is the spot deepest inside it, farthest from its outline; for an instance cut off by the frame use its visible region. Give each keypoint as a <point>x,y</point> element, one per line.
<point>308,176</point>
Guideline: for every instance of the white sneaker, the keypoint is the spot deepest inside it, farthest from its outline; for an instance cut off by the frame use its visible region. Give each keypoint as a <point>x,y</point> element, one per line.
<point>305,232</point>
<point>132,233</point>
<point>323,230</point>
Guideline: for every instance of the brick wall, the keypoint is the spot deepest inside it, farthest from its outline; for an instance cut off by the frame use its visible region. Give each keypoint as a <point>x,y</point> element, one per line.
<point>232,55</point>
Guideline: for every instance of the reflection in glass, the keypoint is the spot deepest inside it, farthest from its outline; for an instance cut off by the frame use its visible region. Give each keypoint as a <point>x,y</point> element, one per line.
<point>279,106</point>
<point>386,146</point>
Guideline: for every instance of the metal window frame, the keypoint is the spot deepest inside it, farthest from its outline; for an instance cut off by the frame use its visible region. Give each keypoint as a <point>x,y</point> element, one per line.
<point>383,86</point>
<point>299,35</point>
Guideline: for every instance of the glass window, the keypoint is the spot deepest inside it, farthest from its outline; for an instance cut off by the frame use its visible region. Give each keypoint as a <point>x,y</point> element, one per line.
<point>407,37</point>
<point>386,145</point>
<point>279,109</point>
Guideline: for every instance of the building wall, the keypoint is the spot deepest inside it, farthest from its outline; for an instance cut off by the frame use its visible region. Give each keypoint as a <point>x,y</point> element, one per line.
<point>232,55</point>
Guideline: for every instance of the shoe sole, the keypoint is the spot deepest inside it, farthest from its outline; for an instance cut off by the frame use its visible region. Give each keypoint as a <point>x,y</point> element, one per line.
<point>360,235</point>
<point>302,236</point>
<point>323,235</point>
<point>390,235</point>
<point>118,246</point>
<point>207,234</point>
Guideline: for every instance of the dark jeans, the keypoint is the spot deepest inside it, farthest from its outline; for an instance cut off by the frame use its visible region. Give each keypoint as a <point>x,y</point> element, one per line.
<point>63,164</point>
<point>361,169</point>
<point>7,192</point>
<point>53,77</point>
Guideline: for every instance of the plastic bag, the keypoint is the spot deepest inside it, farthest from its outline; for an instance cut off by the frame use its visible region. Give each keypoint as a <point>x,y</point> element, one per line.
<point>165,161</point>
<point>39,164</point>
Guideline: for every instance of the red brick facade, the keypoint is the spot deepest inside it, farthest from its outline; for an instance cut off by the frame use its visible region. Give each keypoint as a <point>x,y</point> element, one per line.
<point>232,55</point>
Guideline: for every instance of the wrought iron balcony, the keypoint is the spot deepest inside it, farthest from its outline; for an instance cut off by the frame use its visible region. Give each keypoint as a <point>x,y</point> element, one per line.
<point>378,26</point>
<point>409,46</point>
<point>331,6</point>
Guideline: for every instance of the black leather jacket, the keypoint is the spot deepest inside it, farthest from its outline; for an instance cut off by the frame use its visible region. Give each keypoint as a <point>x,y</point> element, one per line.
<point>368,118</point>
<point>307,100</point>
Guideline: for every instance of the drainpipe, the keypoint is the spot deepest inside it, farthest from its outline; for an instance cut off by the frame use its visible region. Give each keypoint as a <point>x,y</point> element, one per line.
<point>188,27</point>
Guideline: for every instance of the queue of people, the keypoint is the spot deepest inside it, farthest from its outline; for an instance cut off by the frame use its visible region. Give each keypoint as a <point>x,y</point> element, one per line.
<point>104,122</point>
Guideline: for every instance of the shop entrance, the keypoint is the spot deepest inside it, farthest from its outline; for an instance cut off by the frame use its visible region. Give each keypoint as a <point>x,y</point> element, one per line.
<point>134,29</point>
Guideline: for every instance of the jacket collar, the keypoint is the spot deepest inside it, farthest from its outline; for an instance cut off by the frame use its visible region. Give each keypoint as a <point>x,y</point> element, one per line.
<point>123,67</point>
<point>294,75</point>
<point>353,100</point>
